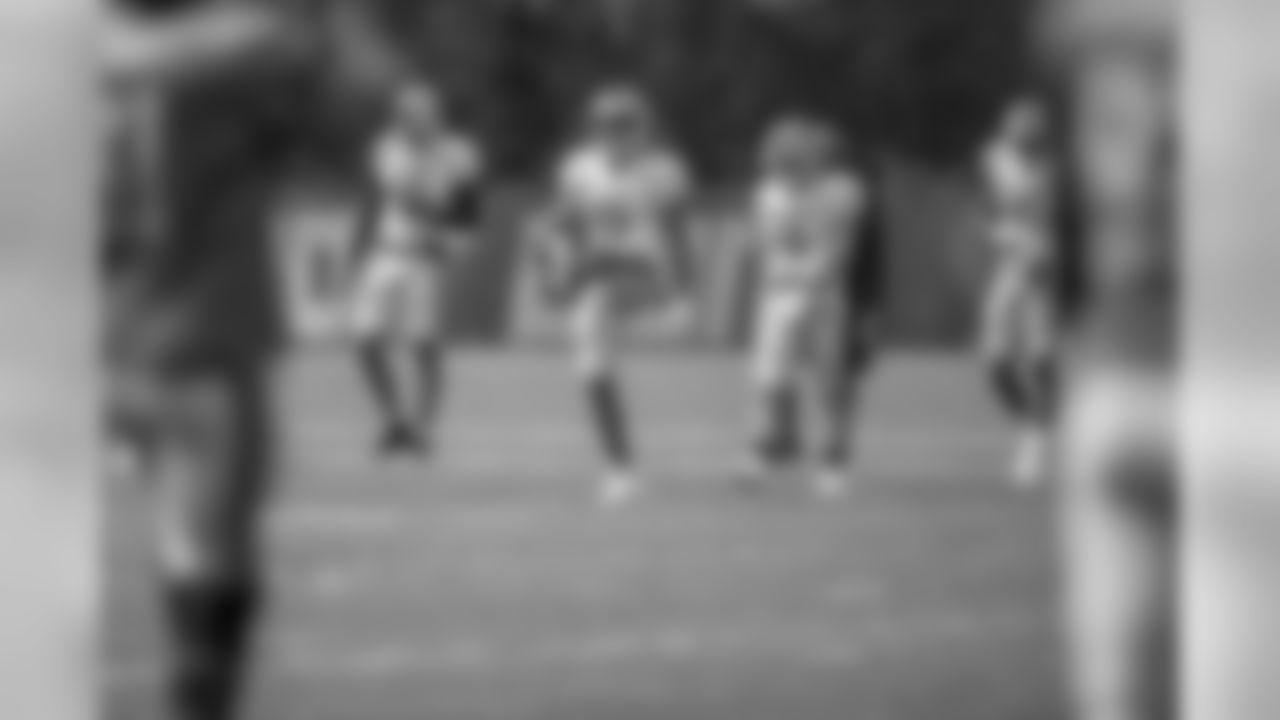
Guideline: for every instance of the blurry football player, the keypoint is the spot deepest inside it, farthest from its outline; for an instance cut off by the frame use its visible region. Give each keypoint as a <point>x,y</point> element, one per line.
<point>208,101</point>
<point>617,221</point>
<point>424,205</point>
<point>806,213</point>
<point>1113,71</point>
<point>1016,327</point>
<point>849,356</point>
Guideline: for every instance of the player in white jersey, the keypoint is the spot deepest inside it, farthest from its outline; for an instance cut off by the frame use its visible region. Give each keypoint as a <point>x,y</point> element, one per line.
<point>424,202</point>
<point>620,194</point>
<point>807,211</point>
<point>1017,342</point>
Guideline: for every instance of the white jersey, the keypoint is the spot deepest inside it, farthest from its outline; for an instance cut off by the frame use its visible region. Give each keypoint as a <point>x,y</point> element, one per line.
<point>621,208</point>
<point>1022,195</point>
<point>803,229</point>
<point>416,183</point>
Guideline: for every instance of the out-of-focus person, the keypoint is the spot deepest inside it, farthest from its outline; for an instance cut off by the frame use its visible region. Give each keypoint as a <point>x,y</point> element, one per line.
<point>1111,67</point>
<point>209,101</point>
<point>424,203</point>
<point>807,212</point>
<point>616,225</point>
<point>1017,339</point>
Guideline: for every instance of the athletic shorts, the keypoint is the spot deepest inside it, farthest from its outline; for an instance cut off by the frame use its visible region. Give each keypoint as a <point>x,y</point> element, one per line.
<point>597,316</point>
<point>399,298</point>
<point>795,331</point>
<point>1017,315</point>
<point>601,306</point>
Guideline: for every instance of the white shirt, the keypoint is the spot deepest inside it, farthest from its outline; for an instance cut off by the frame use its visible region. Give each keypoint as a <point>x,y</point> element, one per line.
<point>416,182</point>
<point>622,207</point>
<point>1022,194</point>
<point>802,229</point>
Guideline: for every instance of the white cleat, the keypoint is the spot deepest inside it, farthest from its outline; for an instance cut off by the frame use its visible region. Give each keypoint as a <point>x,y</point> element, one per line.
<point>831,483</point>
<point>1031,459</point>
<point>618,488</point>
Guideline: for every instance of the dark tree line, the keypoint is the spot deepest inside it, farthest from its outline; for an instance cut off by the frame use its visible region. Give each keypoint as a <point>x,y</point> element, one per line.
<point>922,78</point>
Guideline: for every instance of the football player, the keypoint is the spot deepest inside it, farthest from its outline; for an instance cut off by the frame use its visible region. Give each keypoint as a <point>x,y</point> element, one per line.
<point>208,101</point>
<point>617,225</point>
<point>1121,504</point>
<point>1016,341</point>
<point>850,353</point>
<point>425,201</point>
<point>807,210</point>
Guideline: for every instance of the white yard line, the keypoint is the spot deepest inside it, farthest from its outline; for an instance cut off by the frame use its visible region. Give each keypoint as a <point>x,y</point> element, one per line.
<point>808,643</point>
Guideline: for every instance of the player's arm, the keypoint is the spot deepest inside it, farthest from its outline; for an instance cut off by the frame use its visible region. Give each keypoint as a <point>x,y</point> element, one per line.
<point>563,219</point>
<point>387,174</point>
<point>754,236</point>
<point>159,48</point>
<point>677,227</point>
<point>463,213</point>
<point>147,49</point>
<point>869,258</point>
<point>993,193</point>
<point>555,240</point>
<point>840,227</point>
<point>559,235</point>
<point>364,231</point>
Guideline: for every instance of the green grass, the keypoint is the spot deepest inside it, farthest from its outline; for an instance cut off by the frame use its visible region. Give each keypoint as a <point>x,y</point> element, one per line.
<point>487,586</point>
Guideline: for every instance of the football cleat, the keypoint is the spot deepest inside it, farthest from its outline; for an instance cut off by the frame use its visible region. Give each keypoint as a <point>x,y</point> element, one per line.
<point>618,488</point>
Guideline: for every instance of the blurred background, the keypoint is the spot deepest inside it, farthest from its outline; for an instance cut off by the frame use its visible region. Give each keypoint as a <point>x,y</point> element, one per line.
<point>486,585</point>
<point>915,85</point>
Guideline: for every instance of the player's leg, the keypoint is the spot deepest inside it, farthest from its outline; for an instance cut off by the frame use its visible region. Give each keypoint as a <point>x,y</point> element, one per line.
<point>1034,361</point>
<point>429,360</point>
<point>843,370</point>
<point>1039,353</point>
<point>212,480</point>
<point>1120,523</point>
<point>1017,366</point>
<point>1122,512</point>
<point>998,344</point>
<point>593,318</point>
<point>426,326</point>
<point>374,320</point>
<point>776,401</point>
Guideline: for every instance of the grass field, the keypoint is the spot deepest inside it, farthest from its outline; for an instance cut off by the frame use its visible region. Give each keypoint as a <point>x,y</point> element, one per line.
<point>487,585</point>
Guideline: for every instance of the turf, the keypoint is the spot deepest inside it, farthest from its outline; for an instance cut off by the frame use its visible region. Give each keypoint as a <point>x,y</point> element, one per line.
<point>487,585</point>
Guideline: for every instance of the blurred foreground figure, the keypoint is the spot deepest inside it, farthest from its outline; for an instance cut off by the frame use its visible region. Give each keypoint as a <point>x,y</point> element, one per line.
<point>810,325</point>
<point>1016,341</point>
<point>618,221</point>
<point>424,204</point>
<point>1115,75</point>
<point>209,103</point>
